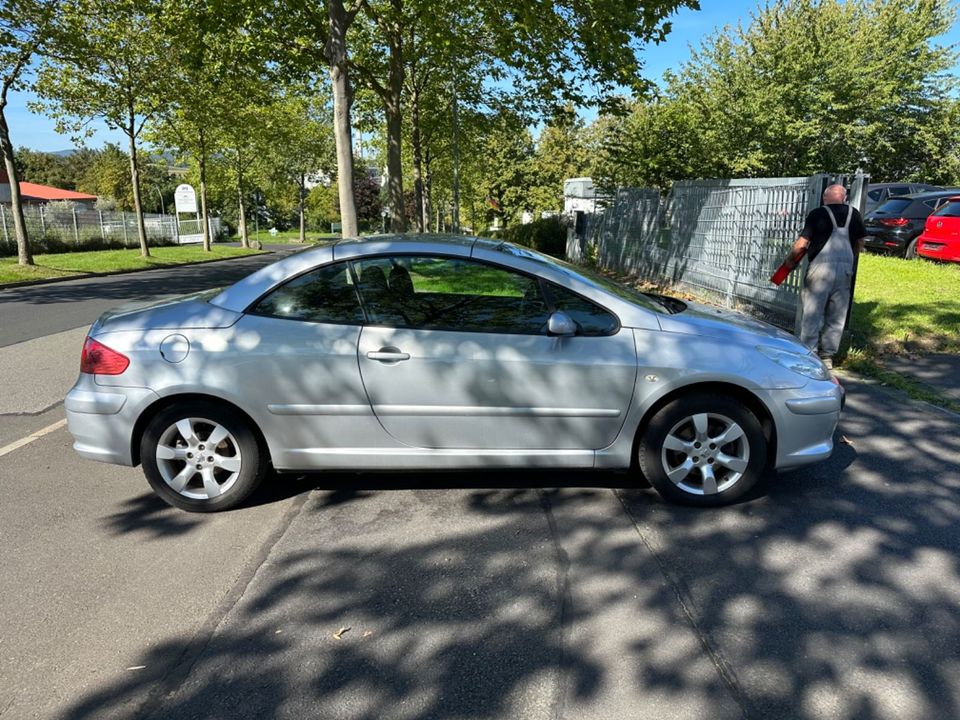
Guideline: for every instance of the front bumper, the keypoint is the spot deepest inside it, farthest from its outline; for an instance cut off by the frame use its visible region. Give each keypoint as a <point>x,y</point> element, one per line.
<point>806,419</point>
<point>101,419</point>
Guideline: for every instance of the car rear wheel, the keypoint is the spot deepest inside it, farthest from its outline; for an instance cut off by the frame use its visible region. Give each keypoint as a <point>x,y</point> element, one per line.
<point>201,457</point>
<point>911,252</point>
<point>703,450</point>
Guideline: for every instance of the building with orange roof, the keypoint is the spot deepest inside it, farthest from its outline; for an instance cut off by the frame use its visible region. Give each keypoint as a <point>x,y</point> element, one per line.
<point>35,194</point>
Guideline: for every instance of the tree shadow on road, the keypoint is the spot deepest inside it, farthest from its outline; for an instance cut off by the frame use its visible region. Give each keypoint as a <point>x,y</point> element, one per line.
<point>834,593</point>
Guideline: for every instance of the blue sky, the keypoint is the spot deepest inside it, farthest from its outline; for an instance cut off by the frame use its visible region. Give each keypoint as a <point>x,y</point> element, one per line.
<point>689,28</point>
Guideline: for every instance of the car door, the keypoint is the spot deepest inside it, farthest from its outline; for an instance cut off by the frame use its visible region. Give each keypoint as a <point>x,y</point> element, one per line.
<point>456,355</point>
<point>299,346</point>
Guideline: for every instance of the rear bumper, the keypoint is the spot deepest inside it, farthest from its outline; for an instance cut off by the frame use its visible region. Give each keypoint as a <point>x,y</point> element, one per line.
<point>102,421</point>
<point>888,241</point>
<point>934,248</point>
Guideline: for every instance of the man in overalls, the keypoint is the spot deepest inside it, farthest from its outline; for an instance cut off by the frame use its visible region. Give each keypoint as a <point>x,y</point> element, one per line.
<point>831,237</point>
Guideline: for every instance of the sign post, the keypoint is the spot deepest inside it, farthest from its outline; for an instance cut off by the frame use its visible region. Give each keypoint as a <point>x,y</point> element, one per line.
<point>185,201</point>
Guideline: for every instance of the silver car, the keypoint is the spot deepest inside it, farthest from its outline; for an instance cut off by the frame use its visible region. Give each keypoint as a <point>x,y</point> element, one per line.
<point>412,353</point>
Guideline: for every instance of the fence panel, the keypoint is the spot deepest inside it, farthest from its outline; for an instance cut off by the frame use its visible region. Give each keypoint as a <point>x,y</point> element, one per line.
<point>60,228</point>
<point>719,239</point>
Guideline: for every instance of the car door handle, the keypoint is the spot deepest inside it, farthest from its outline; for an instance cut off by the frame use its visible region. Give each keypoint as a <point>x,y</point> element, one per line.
<point>388,354</point>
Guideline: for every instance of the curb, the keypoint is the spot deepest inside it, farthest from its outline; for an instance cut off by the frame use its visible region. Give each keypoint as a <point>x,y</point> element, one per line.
<point>897,392</point>
<point>84,276</point>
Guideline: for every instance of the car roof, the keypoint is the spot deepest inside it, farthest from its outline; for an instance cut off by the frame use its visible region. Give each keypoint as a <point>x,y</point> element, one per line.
<point>871,186</point>
<point>927,194</point>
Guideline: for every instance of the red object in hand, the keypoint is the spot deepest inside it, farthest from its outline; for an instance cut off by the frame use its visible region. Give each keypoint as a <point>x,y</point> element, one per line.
<point>781,274</point>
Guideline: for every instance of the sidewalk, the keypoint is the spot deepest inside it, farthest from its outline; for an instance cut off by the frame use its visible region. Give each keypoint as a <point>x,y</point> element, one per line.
<point>940,371</point>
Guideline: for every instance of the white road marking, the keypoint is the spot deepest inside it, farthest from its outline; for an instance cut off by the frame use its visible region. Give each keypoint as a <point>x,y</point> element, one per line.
<point>7,449</point>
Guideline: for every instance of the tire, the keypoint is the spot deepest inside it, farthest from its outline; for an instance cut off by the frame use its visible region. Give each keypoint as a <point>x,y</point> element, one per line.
<point>675,453</point>
<point>210,482</point>
<point>910,253</point>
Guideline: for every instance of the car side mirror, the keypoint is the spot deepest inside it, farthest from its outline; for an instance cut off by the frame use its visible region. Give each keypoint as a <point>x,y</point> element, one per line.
<point>561,324</point>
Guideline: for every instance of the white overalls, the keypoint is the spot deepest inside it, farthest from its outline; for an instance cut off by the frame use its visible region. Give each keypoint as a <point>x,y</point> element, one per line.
<point>826,291</point>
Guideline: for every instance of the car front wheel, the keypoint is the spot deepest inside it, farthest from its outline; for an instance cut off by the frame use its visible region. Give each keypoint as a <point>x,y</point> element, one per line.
<point>201,457</point>
<point>703,450</point>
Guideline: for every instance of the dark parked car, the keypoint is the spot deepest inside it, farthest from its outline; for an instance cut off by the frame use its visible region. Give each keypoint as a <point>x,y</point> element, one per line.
<point>895,226</point>
<point>878,193</point>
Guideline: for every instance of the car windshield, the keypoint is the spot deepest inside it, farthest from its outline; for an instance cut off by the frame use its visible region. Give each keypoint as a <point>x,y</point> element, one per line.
<point>949,209</point>
<point>648,301</point>
<point>894,206</point>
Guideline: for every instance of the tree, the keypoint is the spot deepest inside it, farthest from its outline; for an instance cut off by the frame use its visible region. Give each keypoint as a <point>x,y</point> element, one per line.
<point>214,52</point>
<point>560,154</point>
<point>24,29</point>
<point>507,150</point>
<point>110,58</point>
<point>303,143</point>
<point>806,87</point>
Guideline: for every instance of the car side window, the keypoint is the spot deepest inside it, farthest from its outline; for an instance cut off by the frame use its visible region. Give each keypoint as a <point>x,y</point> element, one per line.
<point>323,295</point>
<point>591,319</point>
<point>900,190</point>
<point>442,293</point>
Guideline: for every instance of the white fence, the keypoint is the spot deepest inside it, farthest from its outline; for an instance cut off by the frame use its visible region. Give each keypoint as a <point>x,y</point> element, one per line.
<point>60,229</point>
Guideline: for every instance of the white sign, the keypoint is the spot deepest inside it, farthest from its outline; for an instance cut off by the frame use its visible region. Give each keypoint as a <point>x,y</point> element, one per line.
<point>185,199</point>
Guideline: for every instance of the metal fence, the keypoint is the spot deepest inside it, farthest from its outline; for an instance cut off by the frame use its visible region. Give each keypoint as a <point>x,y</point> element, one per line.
<point>718,239</point>
<point>59,228</point>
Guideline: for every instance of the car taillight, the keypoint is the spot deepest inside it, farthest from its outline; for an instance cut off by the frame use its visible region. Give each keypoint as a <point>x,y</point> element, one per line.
<point>98,359</point>
<point>894,222</point>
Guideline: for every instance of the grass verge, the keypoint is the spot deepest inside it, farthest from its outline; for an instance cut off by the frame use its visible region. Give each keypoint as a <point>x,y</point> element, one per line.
<point>81,263</point>
<point>289,237</point>
<point>906,305</point>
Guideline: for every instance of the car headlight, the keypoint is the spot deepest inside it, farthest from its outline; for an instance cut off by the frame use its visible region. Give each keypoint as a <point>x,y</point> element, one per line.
<point>802,364</point>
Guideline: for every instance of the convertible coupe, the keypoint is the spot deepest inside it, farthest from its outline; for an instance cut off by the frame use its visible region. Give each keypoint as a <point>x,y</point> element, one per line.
<point>414,352</point>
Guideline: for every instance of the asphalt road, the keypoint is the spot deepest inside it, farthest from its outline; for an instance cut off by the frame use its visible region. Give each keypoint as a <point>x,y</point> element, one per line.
<point>832,593</point>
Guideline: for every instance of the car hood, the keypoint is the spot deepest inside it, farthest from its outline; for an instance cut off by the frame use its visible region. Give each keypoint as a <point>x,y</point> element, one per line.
<point>178,312</point>
<point>700,319</point>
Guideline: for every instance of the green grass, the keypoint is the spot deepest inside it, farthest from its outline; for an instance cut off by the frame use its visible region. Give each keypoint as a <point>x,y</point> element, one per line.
<point>285,237</point>
<point>68,264</point>
<point>906,305</point>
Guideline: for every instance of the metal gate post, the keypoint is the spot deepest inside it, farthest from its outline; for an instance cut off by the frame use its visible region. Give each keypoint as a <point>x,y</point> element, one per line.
<point>76,230</point>
<point>3,221</point>
<point>102,236</point>
<point>123,219</point>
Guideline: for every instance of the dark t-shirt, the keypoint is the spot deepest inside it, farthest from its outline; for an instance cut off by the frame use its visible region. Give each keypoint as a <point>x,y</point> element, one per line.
<point>818,228</point>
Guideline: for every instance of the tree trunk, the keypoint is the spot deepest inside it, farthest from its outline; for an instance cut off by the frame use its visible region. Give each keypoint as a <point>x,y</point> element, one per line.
<point>392,106</point>
<point>337,59</point>
<point>24,256</point>
<point>456,159</point>
<point>303,216</point>
<point>417,157</point>
<point>241,208</point>
<point>428,189</point>
<point>203,193</point>
<point>135,178</point>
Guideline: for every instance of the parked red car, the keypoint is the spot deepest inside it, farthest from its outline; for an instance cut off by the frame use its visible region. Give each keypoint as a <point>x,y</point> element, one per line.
<point>940,239</point>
